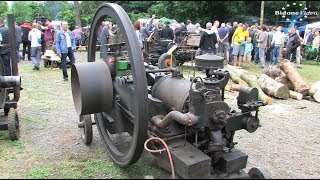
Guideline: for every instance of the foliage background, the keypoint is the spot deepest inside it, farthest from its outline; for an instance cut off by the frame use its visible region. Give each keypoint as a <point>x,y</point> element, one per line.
<point>200,11</point>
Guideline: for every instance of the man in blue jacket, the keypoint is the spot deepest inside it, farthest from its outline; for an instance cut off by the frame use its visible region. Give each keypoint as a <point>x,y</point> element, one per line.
<point>65,45</point>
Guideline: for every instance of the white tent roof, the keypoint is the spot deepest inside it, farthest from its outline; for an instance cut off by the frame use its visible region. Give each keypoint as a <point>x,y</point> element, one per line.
<point>311,26</point>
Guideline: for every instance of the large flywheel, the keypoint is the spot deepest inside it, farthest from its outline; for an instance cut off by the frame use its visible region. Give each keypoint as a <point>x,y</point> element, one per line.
<point>117,100</point>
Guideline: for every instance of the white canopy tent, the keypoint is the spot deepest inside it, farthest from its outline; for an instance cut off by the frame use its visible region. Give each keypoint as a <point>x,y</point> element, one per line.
<point>311,26</point>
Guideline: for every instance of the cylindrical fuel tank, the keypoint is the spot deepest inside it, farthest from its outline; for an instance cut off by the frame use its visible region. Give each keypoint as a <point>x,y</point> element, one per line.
<point>172,91</point>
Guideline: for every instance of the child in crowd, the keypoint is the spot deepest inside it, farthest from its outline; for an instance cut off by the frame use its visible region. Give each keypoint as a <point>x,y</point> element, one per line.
<point>248,47</point>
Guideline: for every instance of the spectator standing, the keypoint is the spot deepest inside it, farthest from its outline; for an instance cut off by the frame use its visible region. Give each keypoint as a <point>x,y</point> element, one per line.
<point>311,36</point>
<point>77,33</point>
<point>167,32</point>
<point>65,44</point>
<point>256,34</point>
<point>18,35</point>
<point>5,51</point>
<point>198,28</point>
<point>208,40</point>
<point>262,44</point>
<point>179,34</point>
<point>224,47</point>
<point>248,47</point>
<point>270,46</point>
<point>26,44</point>
<point>293,42</point>
<point>139,36</point>
<point>277,41</point>
<point>231,32</point>
<point>41,29</point>
<point>35,39</point>
<point>48,34</point>
<point>215,30</point>
<point>191,28</point>
<point>239,36</point>
<point>144,31</point>
<point>151,22</point>
<point>104,39</point>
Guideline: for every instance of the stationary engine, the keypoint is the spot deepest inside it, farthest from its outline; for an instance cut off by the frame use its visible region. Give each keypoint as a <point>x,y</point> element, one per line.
<point>132,102</point>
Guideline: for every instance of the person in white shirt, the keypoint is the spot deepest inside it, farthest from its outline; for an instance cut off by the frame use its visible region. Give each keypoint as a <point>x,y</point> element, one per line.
<point>34,37</point>
<point>277,42</point>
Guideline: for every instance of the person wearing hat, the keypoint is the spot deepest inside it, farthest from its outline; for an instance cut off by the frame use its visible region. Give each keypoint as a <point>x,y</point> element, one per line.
<point>167,32</point>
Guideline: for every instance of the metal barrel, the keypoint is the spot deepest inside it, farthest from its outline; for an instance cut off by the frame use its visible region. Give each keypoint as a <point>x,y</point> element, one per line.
<point>10,81</point>
<point>172,91</point>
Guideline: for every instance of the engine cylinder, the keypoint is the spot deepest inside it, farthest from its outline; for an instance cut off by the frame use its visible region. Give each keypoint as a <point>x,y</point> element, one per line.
<point>172,91</point>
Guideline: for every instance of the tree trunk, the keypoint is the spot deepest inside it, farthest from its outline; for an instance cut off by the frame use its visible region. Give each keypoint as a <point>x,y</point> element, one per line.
<point>316,96</point>
<point>235,78</point>
<point>299,84</point>
<point>272,87</point>
<point>314,88</point>
<point>262,13</point>
<point>273,72</point>
<point>77,13</point>
<point>252,81</point>
<point>284,80</point>
<point>295,95</point>
<point>231,86</point>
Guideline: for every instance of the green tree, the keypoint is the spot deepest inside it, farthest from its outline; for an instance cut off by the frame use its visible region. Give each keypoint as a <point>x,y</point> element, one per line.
<point>3,9</point>
<point>22,11</point>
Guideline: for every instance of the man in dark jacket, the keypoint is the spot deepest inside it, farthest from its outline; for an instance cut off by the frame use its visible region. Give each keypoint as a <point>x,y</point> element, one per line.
<point>26,27</point>
<point>180,32</point>
<point>208,40</point>
<point>167,32</point>
<point>4,50</point>
<point>292,44</point>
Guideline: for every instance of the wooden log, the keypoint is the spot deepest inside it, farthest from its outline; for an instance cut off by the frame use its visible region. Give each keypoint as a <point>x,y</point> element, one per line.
<point>236,70</point>
<point>314,88</point>
<point>273,71</point>
<point>231,86</point>
<point>272,87</point>
<point>316,96</point>
<point>294,76</point>
<point>285,80</point>
<point>252,81</point>
<point>295,95</point>
<point>235,77</point>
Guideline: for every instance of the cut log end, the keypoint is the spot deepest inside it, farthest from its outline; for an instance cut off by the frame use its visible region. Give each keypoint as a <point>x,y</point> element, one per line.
<point>268,100</point>
<point>295,95</point>
<point>283,92</point>
<point>316,96</point>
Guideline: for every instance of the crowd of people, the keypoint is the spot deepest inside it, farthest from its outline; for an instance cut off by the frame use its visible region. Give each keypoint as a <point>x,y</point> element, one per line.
<point>238,43</point>
<point>36,38</point>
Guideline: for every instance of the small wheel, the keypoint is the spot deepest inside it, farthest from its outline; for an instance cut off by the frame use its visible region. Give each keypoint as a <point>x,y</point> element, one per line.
<point>13,125</point>
<point>164,61</point>
<point>85,126</point>
<point>259,173</point>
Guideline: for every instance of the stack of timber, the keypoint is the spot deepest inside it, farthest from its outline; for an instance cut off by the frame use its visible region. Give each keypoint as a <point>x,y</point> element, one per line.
<point>278,75</point>
<point>293,75</point>
<point>249,79</point>
<point>51,59</point>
